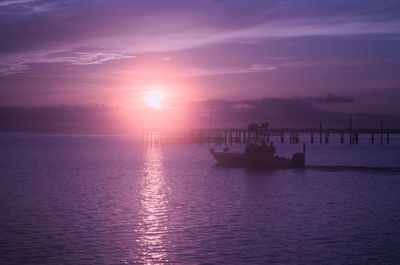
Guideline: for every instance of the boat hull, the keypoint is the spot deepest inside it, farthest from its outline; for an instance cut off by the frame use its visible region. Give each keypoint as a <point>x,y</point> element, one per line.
<point>240,160</point>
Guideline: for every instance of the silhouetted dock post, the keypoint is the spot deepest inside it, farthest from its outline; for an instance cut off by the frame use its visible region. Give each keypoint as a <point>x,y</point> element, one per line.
<point>372,137</point>
<point>320,133</point>
<point>387,138</point>
<point>312,138</point>
<point>341,138</point>
<point>214,138</point>
<point>226,137</point>
<point>381,133</point>
<point>351,130</point>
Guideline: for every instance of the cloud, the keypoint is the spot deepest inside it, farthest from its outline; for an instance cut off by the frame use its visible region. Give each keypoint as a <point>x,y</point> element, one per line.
<point>54,117</point>
<point>32,6</point>
<point>185,38</point>
<point>293,29</point>
<point>20,63</point>
<point>155,30</point>
<point>330,98</point>
<point>214,71</point>
<point>15,2</point>
<point>12,67</point>
<point>83,57</point>
<point>283,112</point>
<point>289,113</point>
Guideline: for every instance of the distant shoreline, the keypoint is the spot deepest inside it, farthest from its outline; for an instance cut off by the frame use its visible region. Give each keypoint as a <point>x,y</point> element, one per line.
<point>286,130</point>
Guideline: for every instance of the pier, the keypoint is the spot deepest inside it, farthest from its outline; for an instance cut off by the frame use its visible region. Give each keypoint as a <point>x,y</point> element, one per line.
<point>258,134</point>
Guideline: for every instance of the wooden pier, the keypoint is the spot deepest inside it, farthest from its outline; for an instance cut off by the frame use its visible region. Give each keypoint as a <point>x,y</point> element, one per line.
<point>230,136</point>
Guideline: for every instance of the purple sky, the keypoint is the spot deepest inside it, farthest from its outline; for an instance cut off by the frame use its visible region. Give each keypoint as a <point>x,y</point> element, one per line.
<point>70,52</point>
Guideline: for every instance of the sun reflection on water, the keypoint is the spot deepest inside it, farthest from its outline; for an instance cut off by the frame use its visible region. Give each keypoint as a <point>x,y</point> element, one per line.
<point>154,212</point>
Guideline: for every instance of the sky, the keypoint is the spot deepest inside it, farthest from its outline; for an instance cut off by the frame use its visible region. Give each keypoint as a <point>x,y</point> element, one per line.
<point>333,56</point>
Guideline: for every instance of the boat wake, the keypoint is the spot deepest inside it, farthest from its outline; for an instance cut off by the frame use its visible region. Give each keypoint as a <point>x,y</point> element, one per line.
<point>338,168</point>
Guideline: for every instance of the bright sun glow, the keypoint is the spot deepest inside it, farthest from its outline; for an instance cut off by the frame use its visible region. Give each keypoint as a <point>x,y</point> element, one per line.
<point>154,100</point>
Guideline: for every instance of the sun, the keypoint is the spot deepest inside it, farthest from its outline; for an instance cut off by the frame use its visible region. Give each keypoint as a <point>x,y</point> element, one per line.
<point>153,100</point>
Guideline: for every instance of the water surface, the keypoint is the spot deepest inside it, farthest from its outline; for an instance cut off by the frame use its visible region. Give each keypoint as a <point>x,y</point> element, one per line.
<point>79,199</point>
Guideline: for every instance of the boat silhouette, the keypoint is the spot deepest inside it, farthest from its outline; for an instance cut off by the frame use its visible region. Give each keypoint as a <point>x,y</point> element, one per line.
<point>257,159</point>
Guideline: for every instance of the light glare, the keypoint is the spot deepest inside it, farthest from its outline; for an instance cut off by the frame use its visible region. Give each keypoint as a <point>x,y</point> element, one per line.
<point>154,100</point>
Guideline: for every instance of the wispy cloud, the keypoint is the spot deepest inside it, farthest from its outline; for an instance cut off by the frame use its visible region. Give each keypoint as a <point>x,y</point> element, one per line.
<point>83,57</point>
<point>8,68</point>
<point>15,2</point>
<point>187,39</point>
<point>20,63</point>
<point>226,70</point>
<point>292,29</point>
<point>34,5</point>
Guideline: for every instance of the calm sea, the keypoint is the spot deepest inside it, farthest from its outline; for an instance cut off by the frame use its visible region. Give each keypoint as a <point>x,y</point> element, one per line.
<point>87,199</point>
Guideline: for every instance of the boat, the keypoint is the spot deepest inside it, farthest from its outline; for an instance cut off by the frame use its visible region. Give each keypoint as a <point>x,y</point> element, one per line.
<point>226,158</point>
